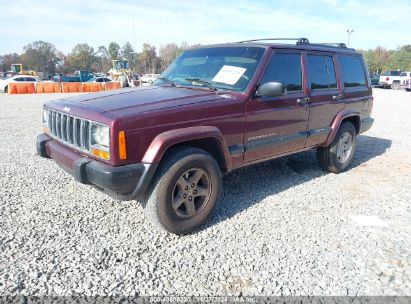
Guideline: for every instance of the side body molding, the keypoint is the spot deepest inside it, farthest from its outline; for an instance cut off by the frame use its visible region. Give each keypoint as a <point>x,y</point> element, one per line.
<point>165,140</point>
<point>337,122</point>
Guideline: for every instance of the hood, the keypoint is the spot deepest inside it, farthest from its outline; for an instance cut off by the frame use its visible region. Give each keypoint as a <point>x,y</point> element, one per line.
<point>142,99</point>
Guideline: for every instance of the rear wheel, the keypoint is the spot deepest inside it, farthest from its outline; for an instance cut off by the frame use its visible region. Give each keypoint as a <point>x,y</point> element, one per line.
<point>395,85</point>
<point>6,89</point>
<point>338,155</point>
<point>185,190</point>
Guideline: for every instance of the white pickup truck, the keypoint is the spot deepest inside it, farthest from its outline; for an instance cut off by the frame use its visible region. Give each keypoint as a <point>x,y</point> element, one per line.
<point>393,79</point>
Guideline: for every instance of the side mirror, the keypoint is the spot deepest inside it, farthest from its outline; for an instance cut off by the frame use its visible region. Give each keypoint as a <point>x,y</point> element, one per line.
<point>271,89</point>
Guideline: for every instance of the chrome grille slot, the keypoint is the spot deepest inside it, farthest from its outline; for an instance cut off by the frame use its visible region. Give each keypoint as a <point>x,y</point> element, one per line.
<point>86,136</point>
<point>68,129</point>
<point>77,132</point>
<point>64,127</point>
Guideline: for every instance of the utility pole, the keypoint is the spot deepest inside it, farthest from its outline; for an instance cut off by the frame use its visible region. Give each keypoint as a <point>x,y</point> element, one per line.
<point>349,32</point>
<point>134,55</point>
<point>134,34</point>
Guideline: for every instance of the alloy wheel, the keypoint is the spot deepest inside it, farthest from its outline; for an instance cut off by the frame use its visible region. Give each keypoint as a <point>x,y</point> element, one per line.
<point>191,193</point>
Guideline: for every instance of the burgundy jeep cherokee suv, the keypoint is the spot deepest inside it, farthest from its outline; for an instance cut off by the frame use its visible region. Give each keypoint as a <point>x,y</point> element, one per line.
<point>214,109</point>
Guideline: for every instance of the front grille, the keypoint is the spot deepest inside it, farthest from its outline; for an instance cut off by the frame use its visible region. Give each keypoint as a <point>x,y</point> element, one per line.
<point>69,129</point>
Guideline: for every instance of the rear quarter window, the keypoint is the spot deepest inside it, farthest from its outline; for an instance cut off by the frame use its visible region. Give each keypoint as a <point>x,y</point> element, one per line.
<point>352,71</point>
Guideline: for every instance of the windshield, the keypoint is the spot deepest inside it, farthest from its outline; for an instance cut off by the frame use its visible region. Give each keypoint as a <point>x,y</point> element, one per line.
<point>121,65</point>
<point>225,68</point>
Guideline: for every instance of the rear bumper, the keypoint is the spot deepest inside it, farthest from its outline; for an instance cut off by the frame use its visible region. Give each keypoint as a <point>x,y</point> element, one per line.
<point>123,183</point>
<point>366,124</point>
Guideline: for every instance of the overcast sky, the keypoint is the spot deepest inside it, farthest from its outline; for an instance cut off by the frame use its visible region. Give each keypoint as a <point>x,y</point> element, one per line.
<point>98,22</point>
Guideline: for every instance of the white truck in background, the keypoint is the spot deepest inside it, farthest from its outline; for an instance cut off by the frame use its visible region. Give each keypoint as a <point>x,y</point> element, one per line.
<point>393,79</point>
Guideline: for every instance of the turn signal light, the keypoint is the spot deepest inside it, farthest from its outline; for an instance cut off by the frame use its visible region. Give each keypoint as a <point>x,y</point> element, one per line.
<point>122,148</point>
<point>100,153</point>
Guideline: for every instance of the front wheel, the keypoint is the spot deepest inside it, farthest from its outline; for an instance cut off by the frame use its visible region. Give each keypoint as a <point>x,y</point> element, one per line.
<point>6,89</point>
<point>123,81</point>
<point>338,155</point>
<point>184,191</point>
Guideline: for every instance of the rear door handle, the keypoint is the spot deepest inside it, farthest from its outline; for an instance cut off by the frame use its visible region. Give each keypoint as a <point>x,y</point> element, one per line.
<point>303,101</point>
<point>338,97</point>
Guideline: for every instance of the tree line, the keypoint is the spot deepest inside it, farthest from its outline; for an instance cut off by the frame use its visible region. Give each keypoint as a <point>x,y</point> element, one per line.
<point>380,59</point>
<point>44,57</point>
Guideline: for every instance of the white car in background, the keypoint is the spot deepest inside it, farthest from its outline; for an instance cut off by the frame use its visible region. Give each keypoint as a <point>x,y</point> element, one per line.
<point>4,83</point>
<point>100,79</point>
<point>149,78</point>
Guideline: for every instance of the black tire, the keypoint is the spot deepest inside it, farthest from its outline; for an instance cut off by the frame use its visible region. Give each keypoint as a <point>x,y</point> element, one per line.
<point>331,158</point>
<point>6,89</point>
<point>395,85</point>
<point>177,172</point>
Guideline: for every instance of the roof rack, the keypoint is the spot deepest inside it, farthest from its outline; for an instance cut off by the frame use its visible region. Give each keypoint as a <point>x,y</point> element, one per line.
<point>300,41</point>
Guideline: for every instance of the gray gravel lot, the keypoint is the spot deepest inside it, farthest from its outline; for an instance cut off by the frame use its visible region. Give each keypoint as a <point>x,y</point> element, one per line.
<point>282,228</point>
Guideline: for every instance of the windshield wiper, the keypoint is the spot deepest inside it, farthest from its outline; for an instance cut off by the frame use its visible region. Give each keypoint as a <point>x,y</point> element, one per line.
<point>169,81</point>
<point>203,82</point>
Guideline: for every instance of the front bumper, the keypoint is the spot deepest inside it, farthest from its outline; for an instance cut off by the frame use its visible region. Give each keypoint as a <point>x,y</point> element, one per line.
<point>123,183</point>
<point>366,124</point>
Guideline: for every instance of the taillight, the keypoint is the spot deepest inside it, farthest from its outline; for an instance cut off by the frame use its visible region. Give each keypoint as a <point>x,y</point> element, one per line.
<point>388,78</point>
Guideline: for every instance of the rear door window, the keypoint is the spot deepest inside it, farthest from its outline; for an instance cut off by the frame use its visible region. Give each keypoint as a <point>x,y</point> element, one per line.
<point>285,68</point>
<point>352,71</point>
<point>321,72</point>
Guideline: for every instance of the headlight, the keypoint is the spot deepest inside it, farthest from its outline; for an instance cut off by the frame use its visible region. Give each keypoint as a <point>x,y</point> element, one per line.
<point>100,141</point>
<point>100,135</point>
<point>46,121</point>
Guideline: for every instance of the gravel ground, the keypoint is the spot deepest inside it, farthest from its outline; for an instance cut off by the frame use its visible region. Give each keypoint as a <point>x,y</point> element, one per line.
<point>282,228</point>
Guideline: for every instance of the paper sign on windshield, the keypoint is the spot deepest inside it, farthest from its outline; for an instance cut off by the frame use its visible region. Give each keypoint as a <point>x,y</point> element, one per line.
<point>229,74</point>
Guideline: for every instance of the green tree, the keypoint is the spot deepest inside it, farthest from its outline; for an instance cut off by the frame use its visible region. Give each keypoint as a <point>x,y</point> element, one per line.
<point>168,53</point>
<point>7,60</point>
<point>114,50</point>
<point>376,59</point>
<point>148,59</point>
<point>82,57</point>
<point>40,56</point>
<point>104,63</point>
<point>401,58</point>
<point>127,51</point>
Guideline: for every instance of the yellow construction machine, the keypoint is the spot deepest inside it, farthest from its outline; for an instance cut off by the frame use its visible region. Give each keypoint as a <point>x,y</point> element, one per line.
<point>17,68</point>
<point>122,73</point>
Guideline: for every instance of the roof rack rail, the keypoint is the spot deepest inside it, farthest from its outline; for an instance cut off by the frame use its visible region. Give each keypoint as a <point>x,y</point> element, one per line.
<point>299,40</point>
<point>336,44</point>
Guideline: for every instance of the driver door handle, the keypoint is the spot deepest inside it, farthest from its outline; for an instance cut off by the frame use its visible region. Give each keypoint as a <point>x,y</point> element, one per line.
<point>303,101</point>
<point>338,96</point>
